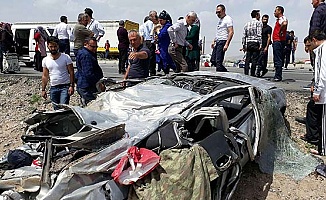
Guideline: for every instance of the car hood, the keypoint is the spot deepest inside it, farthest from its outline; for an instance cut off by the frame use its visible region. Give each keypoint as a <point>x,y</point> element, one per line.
<point>142,108</point>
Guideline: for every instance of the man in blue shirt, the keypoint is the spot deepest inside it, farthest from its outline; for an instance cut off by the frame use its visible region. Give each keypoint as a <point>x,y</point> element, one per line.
<point>88,72</point>
<point>139,58</point>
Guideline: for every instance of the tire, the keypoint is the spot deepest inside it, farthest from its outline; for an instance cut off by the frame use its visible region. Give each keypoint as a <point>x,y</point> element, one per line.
<point>100,55</point>
<point>29,64</point>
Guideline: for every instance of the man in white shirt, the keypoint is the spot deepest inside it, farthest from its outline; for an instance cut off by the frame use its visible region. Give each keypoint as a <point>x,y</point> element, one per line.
<point>223,37</point>
<point>148,37</point>
<point>178,33</point>
<point>319,92</point>
<point>94,25</point>
<point>63,32</point>
<point>58,68</point>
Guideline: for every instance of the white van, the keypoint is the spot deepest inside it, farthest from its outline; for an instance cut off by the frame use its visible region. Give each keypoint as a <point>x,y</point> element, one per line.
<point>25,42</point>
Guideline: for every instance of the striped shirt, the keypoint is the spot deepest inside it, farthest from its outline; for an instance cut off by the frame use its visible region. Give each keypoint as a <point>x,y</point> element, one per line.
<point>252,32</point>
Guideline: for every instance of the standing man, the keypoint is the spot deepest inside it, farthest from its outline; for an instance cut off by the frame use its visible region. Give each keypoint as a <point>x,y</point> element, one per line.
<point>88,72</point>
<point>317,22</point>
<point>266,41</point>
<point>279,38</point>
<point>223,37</point>
<point>94,25</point>
<point>252,42</point>
<point>63,32</point>
<point>288,48</point>
<point>149,39</point>
<point>138,58</point>
<point>123,46</point>
<point>178,33</point>
<point>294,46</point>
<point>81,32</point>
<point>319,93</point>
<point>57,67</point>
<point>107,49</point>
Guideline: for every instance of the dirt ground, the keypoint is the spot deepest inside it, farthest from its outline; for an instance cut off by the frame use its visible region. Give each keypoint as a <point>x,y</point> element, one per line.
<point>19,97</point>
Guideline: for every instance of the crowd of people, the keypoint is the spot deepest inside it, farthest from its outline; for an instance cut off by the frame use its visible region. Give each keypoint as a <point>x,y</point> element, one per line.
<point>164,45</point>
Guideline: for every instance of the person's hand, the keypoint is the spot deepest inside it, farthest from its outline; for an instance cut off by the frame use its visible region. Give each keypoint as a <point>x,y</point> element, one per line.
<point>225,48</point>
<point>316,98</point>
<point>265,50</point>
<point>71,90</point>
<point>212,45</point>
<point>44,94</point>
<point>102,87</point>
<point>132,55</point>
<point>190,47</point>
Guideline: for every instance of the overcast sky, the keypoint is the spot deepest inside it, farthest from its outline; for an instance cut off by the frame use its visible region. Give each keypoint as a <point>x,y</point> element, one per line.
<point>298,13</point>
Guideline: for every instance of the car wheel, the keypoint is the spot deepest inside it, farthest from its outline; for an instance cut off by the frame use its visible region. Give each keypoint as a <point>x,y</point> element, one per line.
<point>100,55</point>
<point>29,64</point>
<point>224,186</point>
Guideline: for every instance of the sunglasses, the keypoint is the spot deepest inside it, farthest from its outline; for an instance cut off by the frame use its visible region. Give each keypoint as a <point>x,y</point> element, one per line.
<point>218,12</point>
<point>93,46</point>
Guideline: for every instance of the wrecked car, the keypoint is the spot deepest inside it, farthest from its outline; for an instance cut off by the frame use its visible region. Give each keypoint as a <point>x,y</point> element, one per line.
<point>204,126</point>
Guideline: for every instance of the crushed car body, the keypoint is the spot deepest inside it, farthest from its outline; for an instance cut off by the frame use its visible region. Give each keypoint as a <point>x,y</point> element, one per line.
<point>215,121</point>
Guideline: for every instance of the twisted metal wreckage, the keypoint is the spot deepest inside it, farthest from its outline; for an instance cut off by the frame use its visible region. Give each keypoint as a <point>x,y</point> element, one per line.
<point>205,127</point>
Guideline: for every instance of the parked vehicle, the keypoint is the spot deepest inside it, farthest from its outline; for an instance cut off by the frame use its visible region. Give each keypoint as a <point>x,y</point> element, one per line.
<point>220,116</point>
<point>25,42</point>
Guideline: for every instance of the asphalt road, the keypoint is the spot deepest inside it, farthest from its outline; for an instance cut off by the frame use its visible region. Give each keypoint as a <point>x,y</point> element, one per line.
<point>294,78</point>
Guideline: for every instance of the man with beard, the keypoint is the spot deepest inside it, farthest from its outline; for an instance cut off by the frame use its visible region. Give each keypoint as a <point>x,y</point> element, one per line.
<point>59,69</point>
<point>266,41</point>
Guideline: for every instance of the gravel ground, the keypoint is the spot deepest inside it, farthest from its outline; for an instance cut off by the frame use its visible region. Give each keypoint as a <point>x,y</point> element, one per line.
<point>20,96</point>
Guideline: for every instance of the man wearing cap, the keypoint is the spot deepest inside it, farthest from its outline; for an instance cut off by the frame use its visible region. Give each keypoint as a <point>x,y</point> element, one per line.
<point>94,25</point>
<point>123,46</point>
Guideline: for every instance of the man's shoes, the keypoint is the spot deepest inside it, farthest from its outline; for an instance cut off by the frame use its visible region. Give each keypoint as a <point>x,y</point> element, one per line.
<point>276,80</point>
<point>264,72</point>
<point>258,75</point>
<point>301,120</point>
<point>309,140</point>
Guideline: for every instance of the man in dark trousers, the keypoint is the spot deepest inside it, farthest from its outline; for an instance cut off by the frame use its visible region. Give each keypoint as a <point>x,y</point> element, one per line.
<point>266,41</point>
<point>123,46</point>
<point>89,72</point>
<point>252,42</point>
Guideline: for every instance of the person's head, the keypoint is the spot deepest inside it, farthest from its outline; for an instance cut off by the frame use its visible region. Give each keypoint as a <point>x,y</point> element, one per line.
<point>155,19</point>
<point>264,19</point>
<point>152,15</point>
<point>146,19</point>
<point>107,41</point>
<point>89,12</point>
<point>191,17</point>
<point>180,18</point>
<point>317,38</point>
<point>53,45</point>
<point>40,29</point>
<point>134,39</point>
<point>63,19</point>
<point>307,44</point>
<point>315,3</point>
<point>163,17</point>
<point>279,10</point>
<point>292,32</point>
<point>255,14</point>
<point>121,23</point>
<point>83,19</point>
<point>220,11</point>
<point>91,44</point>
